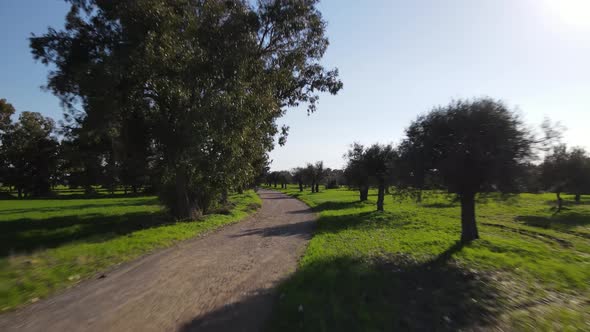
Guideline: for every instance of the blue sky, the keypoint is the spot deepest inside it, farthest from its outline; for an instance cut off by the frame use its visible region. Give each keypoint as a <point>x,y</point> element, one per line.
<point>397,60</point>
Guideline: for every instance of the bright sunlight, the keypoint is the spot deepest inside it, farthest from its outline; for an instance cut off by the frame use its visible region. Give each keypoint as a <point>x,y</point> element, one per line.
<point>572,12</point>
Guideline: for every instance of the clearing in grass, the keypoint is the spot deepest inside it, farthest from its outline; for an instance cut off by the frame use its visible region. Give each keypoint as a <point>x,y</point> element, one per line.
<point>403,269</point>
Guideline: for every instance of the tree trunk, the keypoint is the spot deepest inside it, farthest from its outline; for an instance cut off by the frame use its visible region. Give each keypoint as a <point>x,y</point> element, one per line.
<point>578,198</point>
<point>419,196</point>
<point>20,192</point>
<point>364,193</point>
<point>313,187</point>
<point>185,206</point>
<point>317,187</point>
<point>134,189</point>
<point>559,201</point>
<point>300,186</point>
<point>380,197</point>
<point>468,225</point>
<point>223,199</point>
<point>275,184</point>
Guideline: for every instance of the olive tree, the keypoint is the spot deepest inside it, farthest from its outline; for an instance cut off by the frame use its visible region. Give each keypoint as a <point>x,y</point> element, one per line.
<point>298,175</point>
<point>371,166</point>
<point>379,162</point>
<point>566,171</point>
<point>470,147</point>
<point>355,171</point>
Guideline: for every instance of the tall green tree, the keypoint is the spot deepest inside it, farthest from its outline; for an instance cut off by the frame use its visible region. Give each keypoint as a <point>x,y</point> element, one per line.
<point>30,151</point>
<point>209,77</point>
<point>6,112</point>
<point>470,147</point>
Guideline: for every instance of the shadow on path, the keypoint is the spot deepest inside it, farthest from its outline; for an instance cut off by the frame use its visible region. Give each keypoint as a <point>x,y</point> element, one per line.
<point>246,315</point>
<point>302,229</point>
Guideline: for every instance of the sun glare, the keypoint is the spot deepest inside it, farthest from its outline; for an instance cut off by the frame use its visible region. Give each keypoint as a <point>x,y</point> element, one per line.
<point>572,12</point>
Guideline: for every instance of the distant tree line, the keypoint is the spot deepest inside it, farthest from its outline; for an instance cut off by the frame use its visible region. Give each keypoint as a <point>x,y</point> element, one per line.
<point>466,148</point>
<point>311,176</point>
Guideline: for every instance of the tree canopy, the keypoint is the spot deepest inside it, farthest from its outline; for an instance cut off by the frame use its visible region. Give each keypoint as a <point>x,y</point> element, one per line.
<point>371,166</point>
<point>468,146</point>
<point>566,171</point>
<point>207,80</point>
<point>29,150</point>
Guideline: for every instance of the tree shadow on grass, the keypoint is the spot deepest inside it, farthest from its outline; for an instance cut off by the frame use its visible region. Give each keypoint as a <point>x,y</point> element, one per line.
<point>99,204</point>
<point>68,196</point>
<point>27,235</point>
<point>340,205</point>
<point>564,219</point>
<point>390,293</point>
<point>440,205</point>
<point>568,202</point>
<point>249,314</point>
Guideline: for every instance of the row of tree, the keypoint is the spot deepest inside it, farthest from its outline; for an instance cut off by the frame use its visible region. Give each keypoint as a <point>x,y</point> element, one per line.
<point>34,160</point>
<point>184,94</point>
<point>312,175</point>
<point>468,147</point>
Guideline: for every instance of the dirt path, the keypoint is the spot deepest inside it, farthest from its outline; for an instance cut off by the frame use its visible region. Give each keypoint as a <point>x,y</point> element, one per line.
<point>221,282</point>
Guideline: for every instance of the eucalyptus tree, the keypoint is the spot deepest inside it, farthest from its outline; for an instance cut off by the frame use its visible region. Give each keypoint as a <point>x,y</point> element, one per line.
<point>210,78</point>
<point>6,112</point>
<point>29,149</point>
<point>469,146</point>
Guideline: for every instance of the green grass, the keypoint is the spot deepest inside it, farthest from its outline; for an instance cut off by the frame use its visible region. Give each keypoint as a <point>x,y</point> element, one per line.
<point>47,245</point>
<point>404,269</point>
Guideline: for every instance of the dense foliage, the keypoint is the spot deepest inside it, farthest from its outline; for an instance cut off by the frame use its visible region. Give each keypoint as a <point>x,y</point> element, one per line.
<point>468,147</point>
<point>198,84</point>
<point>372,166</point>
<point>29,152</point>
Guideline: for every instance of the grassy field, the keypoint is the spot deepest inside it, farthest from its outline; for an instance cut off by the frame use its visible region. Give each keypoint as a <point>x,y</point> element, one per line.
<point>50,244</point>
<point>404,269</point>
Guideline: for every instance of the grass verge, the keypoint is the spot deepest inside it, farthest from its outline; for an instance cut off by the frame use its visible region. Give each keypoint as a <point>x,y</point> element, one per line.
<point>403,269</point>
<point>48,245</point>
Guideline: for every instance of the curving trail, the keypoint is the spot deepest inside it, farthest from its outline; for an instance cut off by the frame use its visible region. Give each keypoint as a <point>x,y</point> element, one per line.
<point>223,281</point>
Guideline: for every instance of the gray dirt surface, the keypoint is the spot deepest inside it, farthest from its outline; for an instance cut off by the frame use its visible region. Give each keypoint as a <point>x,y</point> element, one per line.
<point>223,281</point>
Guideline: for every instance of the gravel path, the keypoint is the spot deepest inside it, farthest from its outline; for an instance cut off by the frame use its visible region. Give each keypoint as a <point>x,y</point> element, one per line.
<point>223,281</point>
